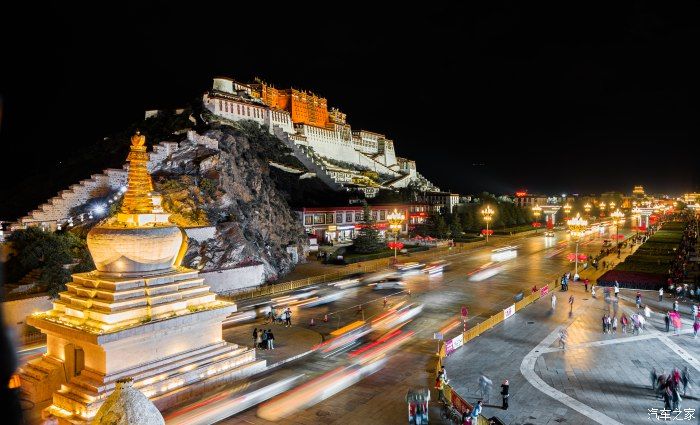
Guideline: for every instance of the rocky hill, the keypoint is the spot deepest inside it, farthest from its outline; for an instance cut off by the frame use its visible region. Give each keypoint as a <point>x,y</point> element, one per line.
<point>232,188</point>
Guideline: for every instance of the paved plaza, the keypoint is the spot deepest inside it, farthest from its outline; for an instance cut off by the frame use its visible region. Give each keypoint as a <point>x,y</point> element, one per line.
<point>599,378</point>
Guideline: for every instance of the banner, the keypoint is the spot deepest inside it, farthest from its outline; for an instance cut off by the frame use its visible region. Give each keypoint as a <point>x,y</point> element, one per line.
<point>544,290</point>
<point>508,312</point>
<point>452,345</point>
<point>459,403</point>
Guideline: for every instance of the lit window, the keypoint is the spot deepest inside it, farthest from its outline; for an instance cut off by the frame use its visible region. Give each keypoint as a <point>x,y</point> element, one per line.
<point>339,217</point>
<point>348,217</point>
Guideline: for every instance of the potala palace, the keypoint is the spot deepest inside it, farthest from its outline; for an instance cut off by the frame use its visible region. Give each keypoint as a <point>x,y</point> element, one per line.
<point>351,158</point>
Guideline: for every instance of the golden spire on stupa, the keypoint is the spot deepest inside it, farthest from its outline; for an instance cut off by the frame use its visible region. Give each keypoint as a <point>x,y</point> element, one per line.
<point>138,198</point>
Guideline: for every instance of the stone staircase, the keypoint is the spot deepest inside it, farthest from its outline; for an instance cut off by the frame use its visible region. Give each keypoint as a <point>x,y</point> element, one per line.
<point>311,163</point>
<point>58,208</point>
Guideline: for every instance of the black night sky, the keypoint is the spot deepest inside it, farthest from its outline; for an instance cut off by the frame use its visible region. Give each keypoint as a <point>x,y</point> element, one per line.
<point>495,97</point>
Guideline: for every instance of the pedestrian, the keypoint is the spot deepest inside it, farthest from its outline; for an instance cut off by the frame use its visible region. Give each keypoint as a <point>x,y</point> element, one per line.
<point>255,336</point>
<point>476,411</point>
<point>624,323</point>
<point>676,398</point>
<point>585,284</point>
<point>617,289</point>
<point>258,341</point>
<point>440,387</point>
<point>288,317</point>
<point>384,302</point>
<point>485,385</point>
<point>654,377</point>
<point>638,299</point>
<point>666,392</point>
<point>696,327</point>
<point>647,311</point>
<point>605,324</point>
<point>661,294</point>
<point>263,345</point>
<point>667,320</point>
<point>270,340</point>
<point>554,301</point>
<point>614,325</point>
<point>571,304</point>
<point>504,394</point>
<point>675,305</point>
<point>593,291</point>
<point>562,338</point>
<point>685,380</point>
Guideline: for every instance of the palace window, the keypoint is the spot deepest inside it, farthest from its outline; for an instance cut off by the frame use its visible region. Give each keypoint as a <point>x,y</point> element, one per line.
<point>329,218</point>
<point>358,215</point>
<point>248,110</point>
<point>339,217</point>
<point>348,217</point>
<point>308,220</point>
<point>238,108</point>
<point>382,215</point>
<point>221,107</point>
<point>319,218</point>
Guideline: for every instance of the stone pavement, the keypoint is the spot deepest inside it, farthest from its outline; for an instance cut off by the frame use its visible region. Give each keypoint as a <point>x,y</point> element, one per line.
<point>599,378</point>
<point>291,342</point>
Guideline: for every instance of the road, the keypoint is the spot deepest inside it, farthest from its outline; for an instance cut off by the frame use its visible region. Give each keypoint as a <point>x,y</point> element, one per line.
<point>379,397</point>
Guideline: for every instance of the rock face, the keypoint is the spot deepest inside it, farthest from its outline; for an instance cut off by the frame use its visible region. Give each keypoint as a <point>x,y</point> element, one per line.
<point>234,189</point>
<point>127,406</point>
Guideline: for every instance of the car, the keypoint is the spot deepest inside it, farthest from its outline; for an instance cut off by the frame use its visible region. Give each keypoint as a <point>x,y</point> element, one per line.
<point>389,284</point>
<point>436,266</point>
<point>549,234</point>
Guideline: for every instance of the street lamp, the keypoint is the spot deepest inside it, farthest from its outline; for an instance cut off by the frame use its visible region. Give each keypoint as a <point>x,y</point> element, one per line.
<point>567,209</point>
<point>617,217</point>
<point>587,208</point>
<point>395,220</point>
<point>601,206</point>
<point>536,212</point>
<point>488,215</point>
<point>611,205</point>
<point>577,226</point>
<point>637,217</point>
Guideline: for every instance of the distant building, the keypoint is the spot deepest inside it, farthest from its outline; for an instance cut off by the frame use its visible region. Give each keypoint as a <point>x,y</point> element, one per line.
<point>323,133</point>
<point>339,224</point>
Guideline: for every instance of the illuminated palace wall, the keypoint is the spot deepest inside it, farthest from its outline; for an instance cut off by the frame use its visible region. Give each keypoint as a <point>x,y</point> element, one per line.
<point>304,107</point>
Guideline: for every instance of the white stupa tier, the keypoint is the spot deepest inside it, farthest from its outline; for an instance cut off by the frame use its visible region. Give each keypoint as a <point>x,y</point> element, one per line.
<point>139,315</point>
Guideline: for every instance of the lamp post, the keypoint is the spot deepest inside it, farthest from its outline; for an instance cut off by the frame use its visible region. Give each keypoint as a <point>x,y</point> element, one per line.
<point>567,209</point>
<point>487,213</point>
<point>637,217</point>
<point>536,212</point>
<point>617,217</point>
<point>587,208</point>
<point>611,205</point>
<point>577,226</point>
<point>601,206</point>
<point>395,220</point>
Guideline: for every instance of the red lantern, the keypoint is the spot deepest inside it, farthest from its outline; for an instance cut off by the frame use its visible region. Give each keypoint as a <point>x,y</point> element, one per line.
<point>536,224</point>
<point>395,245</point>
<point>487,232</point>
<point>581,257</point>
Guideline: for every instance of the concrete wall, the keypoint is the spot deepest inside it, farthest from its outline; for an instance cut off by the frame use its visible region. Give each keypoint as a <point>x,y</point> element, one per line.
<point>222,281</point>
<point>192,136</point>
<point>15,312</point>
<point>201,233</point>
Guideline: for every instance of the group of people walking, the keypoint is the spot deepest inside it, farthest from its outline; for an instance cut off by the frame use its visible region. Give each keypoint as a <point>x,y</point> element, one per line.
<point>668,386</point>
<point>284,317</point>
<point>263,339</point>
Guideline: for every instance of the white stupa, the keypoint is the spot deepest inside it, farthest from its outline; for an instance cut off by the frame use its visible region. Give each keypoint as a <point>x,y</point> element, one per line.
<point>139,315</point>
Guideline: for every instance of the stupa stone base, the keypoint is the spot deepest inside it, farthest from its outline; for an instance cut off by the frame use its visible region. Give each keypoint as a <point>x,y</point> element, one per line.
<point>189,367</point>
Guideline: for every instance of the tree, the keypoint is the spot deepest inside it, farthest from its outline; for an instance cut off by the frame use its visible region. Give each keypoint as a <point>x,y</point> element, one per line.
<point>34,248</point>
<point>367,240</point>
